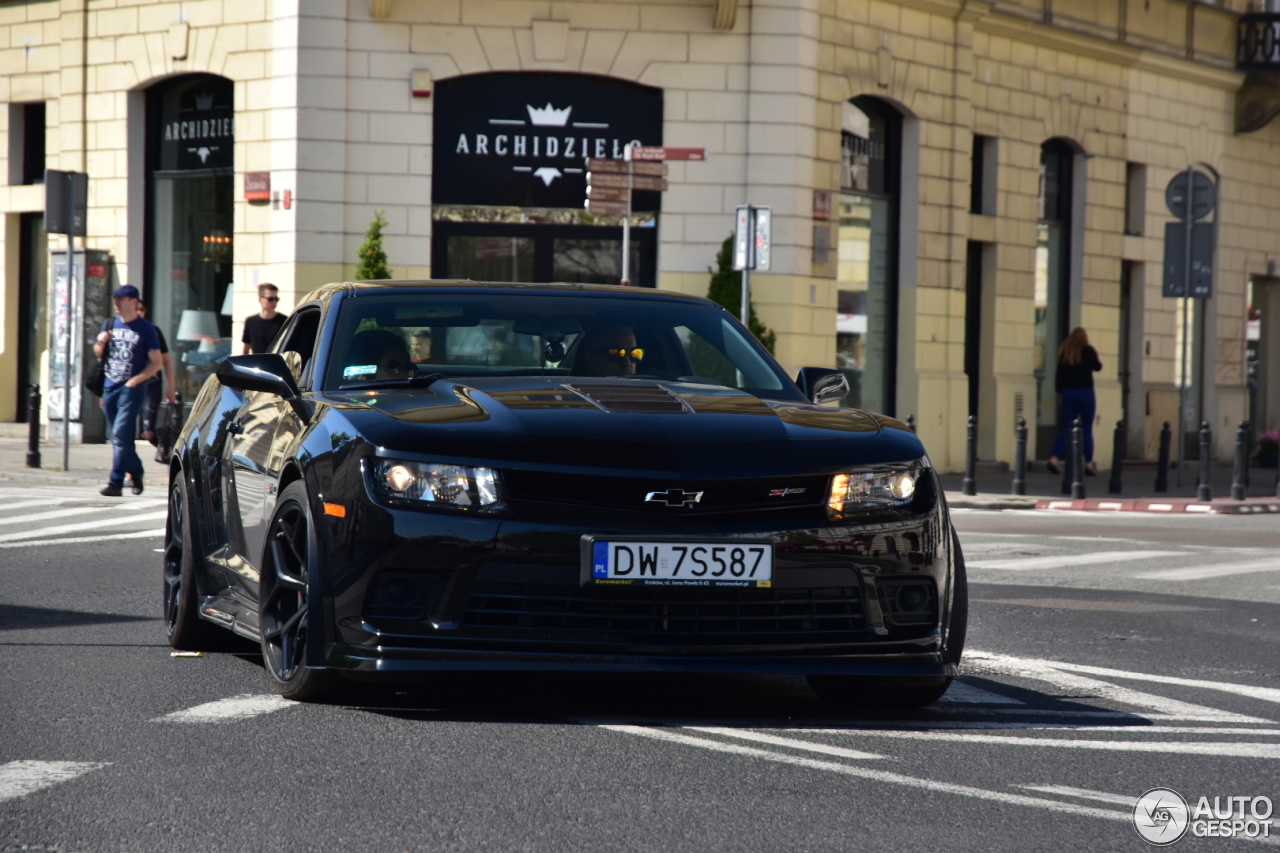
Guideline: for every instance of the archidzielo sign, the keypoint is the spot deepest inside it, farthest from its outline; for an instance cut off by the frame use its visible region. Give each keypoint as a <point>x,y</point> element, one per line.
<point>514,138</point>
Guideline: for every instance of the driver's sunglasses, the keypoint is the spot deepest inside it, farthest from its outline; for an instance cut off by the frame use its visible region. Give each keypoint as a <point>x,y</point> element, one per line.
<point>272,298</point>
<point>636,354</point>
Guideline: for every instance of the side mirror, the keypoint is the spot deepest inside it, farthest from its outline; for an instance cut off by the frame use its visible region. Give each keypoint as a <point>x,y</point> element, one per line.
<point>823,384</point>
<point>263,372</point>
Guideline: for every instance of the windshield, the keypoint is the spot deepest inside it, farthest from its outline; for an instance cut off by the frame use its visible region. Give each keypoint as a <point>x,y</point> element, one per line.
<point>394,338</point>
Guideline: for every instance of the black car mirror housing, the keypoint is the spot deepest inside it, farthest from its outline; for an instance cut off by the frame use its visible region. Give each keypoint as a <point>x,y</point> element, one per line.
<point>266,372</point>
<point>822,384</point>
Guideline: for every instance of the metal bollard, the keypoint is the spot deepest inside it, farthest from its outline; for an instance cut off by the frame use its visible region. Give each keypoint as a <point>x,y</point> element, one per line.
<point>970,485</point>
<point>1238,472</point>
<point>1116,485</point>
<point>1068,463</point>
<point>33,432</point>
<point>1204,492</point>
<point>1162,466</point>
<point>1020,457</point>
<point>911,422</point>
<point>1077,460</point>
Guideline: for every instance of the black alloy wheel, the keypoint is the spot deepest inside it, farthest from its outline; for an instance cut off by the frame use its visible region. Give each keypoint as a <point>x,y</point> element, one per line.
<point>185,630</point>
<point>873,694</point>
<point>284,608</point>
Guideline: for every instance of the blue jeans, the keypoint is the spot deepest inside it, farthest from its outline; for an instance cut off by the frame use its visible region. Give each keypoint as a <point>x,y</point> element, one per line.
<point>122,405</point>
<point>1077,403</point>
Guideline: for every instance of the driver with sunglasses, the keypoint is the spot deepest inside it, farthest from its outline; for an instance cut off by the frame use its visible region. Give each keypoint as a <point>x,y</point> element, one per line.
<point>610,351</point>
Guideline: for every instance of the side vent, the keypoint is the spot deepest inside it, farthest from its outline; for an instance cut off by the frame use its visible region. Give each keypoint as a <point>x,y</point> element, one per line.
<point>633,397</point>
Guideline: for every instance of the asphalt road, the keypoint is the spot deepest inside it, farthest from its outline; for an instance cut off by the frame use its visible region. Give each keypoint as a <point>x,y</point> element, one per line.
<point>1108,655</point>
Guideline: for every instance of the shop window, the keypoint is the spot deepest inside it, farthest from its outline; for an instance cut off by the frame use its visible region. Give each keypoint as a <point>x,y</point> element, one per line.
<point>27,143</point>
<point>1052,279</point>
<point>190,202</point>
<point>867,287</point>
<point>982,176</point>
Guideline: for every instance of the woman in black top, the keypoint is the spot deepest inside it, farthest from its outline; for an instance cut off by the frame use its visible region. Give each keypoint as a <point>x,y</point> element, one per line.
<point>1077,362</point>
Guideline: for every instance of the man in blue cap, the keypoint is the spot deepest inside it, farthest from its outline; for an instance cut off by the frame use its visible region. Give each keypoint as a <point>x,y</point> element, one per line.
<point>133,356</point>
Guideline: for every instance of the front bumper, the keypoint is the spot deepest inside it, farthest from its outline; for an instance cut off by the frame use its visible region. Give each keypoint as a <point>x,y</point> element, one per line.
<point>417,591</point>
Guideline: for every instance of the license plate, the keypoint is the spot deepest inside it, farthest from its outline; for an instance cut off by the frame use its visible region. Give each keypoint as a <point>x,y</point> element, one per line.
<point>682,563</point>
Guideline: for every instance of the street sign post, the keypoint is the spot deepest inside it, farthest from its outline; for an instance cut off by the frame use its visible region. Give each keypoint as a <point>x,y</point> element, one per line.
<point>610,183</point>
<point>66,200</point>
<point>1188,273</point>
<point>752,245</point>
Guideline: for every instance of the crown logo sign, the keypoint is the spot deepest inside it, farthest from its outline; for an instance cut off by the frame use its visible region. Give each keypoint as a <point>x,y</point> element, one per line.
<point>548,115</point>
<point>204,102</point>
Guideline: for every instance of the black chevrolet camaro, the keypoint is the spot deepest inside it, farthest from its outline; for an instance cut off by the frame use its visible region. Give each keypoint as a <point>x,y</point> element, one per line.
<point>442,475</point>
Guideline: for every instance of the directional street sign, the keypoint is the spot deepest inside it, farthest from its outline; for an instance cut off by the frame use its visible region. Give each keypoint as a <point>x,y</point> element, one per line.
<point>644,182</point>
<point>596,193</point>
<point>658,170</point>
<point>600,164</point>
<point>608,179</point>
<point>660,152</point>
<point>609,208</point>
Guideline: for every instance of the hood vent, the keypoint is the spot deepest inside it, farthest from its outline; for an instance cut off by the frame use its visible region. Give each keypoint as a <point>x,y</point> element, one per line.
<point>633,398</point>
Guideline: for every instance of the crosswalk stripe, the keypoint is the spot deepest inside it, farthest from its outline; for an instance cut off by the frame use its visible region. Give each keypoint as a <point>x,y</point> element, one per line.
<point>1083,793</point>
<point>19,778</point>
<point>31,543</point>
<point>1222,749</point>
<point>1064,560</point>
<point>60,513</point>
<point>788,742</point>
<point>1195,573</point>
<point>31,503</point>
<point>227,710</point>
<point>126,518</point>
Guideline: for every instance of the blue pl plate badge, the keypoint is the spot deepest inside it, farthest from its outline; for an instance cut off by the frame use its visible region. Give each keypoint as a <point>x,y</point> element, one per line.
<point>600,560</point>
<point>359,370</point>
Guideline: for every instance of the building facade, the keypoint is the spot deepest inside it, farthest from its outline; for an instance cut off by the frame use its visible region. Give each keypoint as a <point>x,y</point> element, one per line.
<point>955,184</point>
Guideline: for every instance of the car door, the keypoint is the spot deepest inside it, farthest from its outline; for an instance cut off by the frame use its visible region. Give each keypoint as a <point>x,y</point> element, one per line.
<point>245,467</point>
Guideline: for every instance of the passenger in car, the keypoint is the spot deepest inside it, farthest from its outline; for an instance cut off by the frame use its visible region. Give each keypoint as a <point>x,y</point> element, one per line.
<point>382,350</point>
<point>422,348</point>
<point>609,351</point>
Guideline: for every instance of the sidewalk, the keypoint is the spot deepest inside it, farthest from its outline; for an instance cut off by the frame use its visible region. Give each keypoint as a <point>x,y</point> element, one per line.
<point>90,464</point>
<point>1137,494</point>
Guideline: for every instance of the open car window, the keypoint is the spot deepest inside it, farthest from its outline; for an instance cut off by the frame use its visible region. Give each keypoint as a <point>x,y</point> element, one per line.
<point>384,339</point>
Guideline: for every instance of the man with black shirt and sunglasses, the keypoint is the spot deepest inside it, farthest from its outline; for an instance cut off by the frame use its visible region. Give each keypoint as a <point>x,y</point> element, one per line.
<point>609,351</point>
<point>260,329</point>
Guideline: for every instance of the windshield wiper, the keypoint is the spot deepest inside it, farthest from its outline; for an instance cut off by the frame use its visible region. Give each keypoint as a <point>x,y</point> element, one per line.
<point>408,382</point>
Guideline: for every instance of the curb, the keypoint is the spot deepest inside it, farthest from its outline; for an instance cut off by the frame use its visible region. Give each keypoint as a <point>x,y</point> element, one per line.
<point>1250,506</point>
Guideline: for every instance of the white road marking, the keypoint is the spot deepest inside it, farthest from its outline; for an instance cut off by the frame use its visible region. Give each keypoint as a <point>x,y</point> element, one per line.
<point>19,778</point>
<point>1216,731</point>
<point>29,504</point>
<point>790,743</point>
<point>962,693</point>
<point>1227,750</point>
<point>1065,560</point>
<point>1195,573</point>
<point>1266,694</point>
<point>1040,670</point>
<point>874,775</point>
<point>137,534</point>
<point>58,513</point>
<point>227,710</point>
<point>85,525</point>
<point>1084,794</point>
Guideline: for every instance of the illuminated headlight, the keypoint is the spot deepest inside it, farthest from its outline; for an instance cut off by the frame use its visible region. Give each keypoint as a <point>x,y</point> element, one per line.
<point>451,485</point>
<point>880,487</point>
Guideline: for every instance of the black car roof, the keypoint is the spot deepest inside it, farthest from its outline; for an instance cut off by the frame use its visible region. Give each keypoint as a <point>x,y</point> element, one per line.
<point>359,288</point>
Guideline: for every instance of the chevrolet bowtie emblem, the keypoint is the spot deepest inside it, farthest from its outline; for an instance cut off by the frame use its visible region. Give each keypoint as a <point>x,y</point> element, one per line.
<point>673,497</point>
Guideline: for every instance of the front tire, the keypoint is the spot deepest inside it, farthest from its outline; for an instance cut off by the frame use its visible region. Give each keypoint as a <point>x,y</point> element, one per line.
<point>183,625</point>
<point>901,693</point>
<point>290,560</point>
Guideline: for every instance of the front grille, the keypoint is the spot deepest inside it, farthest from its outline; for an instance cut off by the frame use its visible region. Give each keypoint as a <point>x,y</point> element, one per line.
<point>629,493</point>
<point>633,397</point>
<point>701,616</point>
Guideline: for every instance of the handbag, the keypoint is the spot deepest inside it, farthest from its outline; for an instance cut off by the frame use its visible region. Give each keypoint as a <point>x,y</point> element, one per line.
<point>168,428</point>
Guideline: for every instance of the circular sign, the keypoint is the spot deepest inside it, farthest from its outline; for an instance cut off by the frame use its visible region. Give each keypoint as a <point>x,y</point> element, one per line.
<point>1202,203</point>
<point>1161,816</point>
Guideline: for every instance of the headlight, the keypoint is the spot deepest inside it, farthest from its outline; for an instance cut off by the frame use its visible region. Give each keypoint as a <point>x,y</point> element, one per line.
<point>451,485</point>
<point>875,488</point>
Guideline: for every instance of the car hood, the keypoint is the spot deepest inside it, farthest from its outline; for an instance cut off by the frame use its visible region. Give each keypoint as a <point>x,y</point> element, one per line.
<point>672,427</point>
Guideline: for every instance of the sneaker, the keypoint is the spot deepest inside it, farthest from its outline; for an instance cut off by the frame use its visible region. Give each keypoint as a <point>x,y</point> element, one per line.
<point>110,490</point>
<point>135,485</point>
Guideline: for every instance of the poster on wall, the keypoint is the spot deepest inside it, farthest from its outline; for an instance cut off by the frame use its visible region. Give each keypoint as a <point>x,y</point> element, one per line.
<point>522,139</point>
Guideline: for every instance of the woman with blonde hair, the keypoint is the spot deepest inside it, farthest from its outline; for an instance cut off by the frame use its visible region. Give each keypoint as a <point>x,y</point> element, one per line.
<point>1077,362</point>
